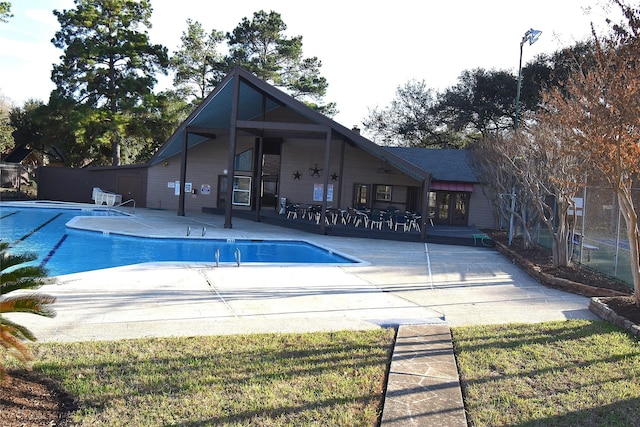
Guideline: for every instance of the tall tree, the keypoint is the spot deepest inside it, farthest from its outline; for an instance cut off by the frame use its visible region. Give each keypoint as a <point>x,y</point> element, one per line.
<point>260,46</point>
<point>6,128</point>
<point>28,123</point>
<point>199,65</point>
<point>5,11</point>
<point>600,104</point>
<point>108,66</point>
<point>482,102</point>
<point>411,120</point>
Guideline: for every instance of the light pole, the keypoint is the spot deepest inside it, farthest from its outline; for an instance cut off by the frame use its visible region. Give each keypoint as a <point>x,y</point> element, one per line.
<point>532,36</point>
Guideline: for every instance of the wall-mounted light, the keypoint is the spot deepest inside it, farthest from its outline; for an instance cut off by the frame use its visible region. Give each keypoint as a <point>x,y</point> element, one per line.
<point>165,164</point>
<point>225,171</point>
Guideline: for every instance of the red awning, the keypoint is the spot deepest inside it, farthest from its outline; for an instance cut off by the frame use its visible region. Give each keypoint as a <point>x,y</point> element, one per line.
<point>452,186</point>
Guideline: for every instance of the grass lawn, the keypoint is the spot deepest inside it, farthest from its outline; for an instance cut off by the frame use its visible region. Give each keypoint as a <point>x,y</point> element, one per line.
<point>315,379</point>
<point>571,373</point>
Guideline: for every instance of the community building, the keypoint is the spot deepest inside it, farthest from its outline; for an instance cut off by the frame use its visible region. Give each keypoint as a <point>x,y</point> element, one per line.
<point>251,148</point>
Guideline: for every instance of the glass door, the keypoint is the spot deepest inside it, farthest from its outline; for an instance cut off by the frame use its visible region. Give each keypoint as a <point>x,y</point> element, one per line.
<point>442,207</point>
<point>460,208</point>
<point>450,208</point>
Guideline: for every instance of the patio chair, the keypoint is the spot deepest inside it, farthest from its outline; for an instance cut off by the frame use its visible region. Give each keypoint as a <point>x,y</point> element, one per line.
<point>387,218</point>
<point>343,216</point>
<point>313,213</point>
<point>292,211</point>
<point>376,220</point>
<point>401,220</point>
<point>414,222</point>
<point>361,218</point>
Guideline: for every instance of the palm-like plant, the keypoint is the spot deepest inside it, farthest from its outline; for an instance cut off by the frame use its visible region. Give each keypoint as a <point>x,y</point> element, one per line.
<point>17,277</point>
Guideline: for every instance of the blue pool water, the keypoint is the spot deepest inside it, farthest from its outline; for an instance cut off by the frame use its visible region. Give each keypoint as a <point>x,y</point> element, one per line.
<point>65,251</point>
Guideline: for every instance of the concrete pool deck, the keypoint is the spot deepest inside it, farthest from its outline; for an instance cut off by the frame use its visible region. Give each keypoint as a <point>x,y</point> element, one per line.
<point>422,288</point>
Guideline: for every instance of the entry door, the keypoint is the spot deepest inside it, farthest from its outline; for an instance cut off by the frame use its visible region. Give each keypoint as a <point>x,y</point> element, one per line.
<point>413,199</point>
<point>459,208</point>
<point>452,208</point>
<point>442,207</point>
<point>131,188</point>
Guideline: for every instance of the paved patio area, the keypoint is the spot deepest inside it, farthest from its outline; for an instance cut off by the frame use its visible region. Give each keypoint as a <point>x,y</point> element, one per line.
<point>406,284</point>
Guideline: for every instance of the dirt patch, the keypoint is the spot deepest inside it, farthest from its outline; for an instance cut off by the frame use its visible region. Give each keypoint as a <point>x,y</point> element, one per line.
<point>30,399</point>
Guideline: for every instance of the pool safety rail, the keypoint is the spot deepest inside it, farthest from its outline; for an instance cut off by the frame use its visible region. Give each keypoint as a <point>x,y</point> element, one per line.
<point>238,256</point>
<point>236,253</point>
<point>204,231</point>
<point>130,201</point>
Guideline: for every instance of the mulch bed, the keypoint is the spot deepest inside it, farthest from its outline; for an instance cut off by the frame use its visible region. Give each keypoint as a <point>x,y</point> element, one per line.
<point>537,260</point>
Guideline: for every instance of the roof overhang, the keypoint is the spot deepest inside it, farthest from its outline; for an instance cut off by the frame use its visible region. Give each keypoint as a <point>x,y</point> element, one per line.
<point>256,98</point>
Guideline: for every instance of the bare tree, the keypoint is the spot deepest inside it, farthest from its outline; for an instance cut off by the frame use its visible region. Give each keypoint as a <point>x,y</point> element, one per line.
<point>492,158</point>
<point>551,172</point>
<point>600,105</point>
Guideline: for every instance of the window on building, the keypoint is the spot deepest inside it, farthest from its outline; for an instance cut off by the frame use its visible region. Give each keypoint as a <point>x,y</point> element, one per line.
<point>244,161</point>
<point>242,190</point>
<point>361,193</point>
<point>383,193</point>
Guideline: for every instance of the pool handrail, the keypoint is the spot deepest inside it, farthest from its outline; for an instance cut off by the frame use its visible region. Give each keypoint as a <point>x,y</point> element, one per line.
<point>124,203</point>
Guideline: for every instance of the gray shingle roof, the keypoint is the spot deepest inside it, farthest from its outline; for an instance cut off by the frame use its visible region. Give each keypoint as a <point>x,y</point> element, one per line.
<point>443,164</point>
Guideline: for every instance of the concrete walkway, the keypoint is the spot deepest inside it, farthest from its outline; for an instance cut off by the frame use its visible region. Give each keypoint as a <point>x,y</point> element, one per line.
<point>424,289</point>
<point>423,387</point>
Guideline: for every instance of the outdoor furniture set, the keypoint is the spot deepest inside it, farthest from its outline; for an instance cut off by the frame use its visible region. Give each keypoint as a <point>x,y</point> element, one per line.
<point>390,218</point>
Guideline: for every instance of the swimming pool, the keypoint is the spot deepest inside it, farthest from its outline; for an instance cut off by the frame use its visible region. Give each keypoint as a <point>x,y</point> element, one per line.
<point>64,251</point>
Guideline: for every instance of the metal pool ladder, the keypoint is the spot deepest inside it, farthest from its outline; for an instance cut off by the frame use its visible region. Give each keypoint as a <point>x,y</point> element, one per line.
<point>238,256</point>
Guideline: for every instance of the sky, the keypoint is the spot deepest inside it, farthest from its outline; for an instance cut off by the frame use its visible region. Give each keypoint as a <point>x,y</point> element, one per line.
<point>367,49</point>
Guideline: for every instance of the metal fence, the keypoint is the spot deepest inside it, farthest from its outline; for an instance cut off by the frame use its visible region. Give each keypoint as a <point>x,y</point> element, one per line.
<point>600,238</point>
<point>16,176</point>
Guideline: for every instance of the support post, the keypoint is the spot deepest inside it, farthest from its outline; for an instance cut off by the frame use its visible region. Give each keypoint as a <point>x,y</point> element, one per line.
<point>424,211</point>
<point>341,173</point>
<point>183,172</point>
<point>258,177</point>
<point>232,151</point>
<point>327,158</point>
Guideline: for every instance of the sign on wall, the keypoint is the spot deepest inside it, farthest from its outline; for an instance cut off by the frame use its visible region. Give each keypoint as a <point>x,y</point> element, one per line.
<point>318,192</point>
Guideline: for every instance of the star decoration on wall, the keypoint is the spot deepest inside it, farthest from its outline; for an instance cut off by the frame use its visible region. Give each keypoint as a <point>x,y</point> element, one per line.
<point>334,176</point>
<point>315,170</point>
<point>296,175</point>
